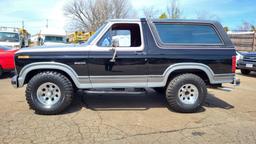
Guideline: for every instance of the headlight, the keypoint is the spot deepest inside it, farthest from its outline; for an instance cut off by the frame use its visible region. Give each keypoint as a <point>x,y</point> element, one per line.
<point>239,56</point>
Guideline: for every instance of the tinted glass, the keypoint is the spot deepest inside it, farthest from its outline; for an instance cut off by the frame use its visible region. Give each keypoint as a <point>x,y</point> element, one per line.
<point>187,34</point>
<point>54,39</point>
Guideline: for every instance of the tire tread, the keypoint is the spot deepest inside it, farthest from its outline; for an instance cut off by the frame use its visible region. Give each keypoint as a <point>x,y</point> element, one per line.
<point>171,92</point>
<point>50,75</point>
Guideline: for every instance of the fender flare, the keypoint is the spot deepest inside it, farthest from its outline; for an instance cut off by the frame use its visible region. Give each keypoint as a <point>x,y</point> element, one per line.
<point>47,65</point>
<point>183,66</point>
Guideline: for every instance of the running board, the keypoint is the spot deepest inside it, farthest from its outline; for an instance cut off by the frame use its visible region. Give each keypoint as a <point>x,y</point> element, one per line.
<point>134,91</point>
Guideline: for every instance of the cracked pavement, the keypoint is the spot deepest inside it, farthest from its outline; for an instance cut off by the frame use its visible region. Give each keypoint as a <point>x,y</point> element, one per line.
<point>226,117</point>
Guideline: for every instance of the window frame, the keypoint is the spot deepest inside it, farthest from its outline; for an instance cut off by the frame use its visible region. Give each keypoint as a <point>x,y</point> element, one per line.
<point>96,47</point>
<point>163,45</point>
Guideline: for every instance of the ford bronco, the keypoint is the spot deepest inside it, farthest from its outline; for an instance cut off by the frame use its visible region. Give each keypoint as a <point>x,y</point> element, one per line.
<point>180,58</point>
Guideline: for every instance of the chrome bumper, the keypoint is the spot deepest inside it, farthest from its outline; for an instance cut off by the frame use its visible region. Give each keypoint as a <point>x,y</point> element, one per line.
<point>236,82</point>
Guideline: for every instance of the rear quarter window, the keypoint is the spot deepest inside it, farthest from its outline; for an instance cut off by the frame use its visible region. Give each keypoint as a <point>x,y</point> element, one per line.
<point>188,34</point>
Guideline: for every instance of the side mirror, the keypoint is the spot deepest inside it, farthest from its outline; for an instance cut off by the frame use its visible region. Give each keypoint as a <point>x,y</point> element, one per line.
<point>115,42</point>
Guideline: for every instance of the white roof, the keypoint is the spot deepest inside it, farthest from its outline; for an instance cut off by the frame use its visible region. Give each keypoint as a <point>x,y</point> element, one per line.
<point>231,32</point>
<point>55,32</point>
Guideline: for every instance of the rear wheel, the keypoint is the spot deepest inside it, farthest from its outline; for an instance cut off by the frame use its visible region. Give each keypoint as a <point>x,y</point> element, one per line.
<point>245,71</point>
<point>186,93</point>
<point>49,93</point>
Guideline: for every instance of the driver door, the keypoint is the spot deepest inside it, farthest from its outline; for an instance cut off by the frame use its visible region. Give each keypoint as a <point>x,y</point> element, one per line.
<point>129,66</point>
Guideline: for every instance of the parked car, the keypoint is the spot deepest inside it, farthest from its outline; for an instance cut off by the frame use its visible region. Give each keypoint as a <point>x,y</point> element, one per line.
<point>247,62</point>
<point>179,58</point>
<point>6,59</point>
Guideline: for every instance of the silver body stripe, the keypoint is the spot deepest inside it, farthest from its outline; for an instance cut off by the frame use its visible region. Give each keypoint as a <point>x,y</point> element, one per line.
<point>123,81</point>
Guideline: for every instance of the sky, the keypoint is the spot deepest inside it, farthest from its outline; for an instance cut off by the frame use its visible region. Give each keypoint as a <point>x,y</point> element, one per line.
<point>34,13</point>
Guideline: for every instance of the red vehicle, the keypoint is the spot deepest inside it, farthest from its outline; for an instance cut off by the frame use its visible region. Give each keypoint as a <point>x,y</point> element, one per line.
<point>6,59</point>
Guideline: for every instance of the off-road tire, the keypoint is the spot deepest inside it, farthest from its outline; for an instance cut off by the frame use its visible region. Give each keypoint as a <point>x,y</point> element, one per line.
<point>174,87</point>
<point>245,71</point>
<point>56,78</point>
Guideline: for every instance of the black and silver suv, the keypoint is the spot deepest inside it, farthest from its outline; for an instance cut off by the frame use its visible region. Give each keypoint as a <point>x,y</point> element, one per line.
<point>177,57</point>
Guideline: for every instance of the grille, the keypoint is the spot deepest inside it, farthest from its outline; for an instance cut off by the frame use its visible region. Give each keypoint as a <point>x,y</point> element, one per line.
<point>252,59</point>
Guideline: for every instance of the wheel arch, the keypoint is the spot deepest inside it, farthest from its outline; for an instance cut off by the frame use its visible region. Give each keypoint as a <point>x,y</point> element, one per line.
<point>32,69</point>
<point>202,70</point>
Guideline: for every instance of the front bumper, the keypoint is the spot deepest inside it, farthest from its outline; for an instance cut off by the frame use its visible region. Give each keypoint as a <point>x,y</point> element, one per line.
<point>14,81</point>
<point>241,64</point>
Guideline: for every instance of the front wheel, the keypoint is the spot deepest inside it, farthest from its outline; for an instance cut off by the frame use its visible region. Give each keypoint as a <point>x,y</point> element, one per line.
<point>49,93</point>
<point>186,93</point>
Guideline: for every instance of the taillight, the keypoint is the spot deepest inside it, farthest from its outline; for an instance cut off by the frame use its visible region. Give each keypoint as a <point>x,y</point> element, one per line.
<point>233,64</point>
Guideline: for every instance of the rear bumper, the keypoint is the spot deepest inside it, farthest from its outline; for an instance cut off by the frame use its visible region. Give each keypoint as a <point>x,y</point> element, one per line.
<point>236,82</point>
<point>14,81</point>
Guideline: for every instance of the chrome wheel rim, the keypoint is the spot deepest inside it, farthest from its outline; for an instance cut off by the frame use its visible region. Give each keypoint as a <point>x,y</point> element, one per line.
<point>48,94</point>
<point>188,94</point>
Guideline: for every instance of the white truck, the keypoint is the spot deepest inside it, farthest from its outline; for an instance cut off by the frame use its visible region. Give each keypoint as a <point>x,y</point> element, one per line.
<point>49,37</point>
<point>10,37</point>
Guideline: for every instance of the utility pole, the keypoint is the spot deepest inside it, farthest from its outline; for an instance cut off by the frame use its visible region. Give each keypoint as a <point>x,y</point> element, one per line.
<point>46,23</point>
<point>254,41</point>
<point>23,24</point>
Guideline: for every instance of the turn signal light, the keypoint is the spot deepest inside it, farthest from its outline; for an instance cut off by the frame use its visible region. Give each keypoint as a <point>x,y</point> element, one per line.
<point>23,57</point>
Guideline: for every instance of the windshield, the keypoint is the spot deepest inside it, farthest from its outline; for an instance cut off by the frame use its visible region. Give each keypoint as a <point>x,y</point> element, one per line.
<point>9,37</point>
<point>96,33</point>
<point>57,39</point>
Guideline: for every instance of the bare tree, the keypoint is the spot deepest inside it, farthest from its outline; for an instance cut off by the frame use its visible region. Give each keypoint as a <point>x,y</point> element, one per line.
<point>150,12</point>
<point>174,10</point>
<point>88,15</point>
<point>246,26</point>
<point>206,16</point>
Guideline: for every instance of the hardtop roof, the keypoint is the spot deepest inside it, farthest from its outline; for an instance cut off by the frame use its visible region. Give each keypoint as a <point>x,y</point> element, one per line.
<point>166,20</point>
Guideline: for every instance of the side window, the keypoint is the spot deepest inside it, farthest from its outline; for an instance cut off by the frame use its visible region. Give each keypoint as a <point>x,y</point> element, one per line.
<point>106,40</point>
<point>187,34</point>
<point>128,35</point>
<point>123,36</point>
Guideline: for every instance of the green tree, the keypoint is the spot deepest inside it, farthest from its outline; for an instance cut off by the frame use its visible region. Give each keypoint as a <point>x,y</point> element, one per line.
<point>253,28</point>
<point>163,16</point>
<point>226,28</point>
